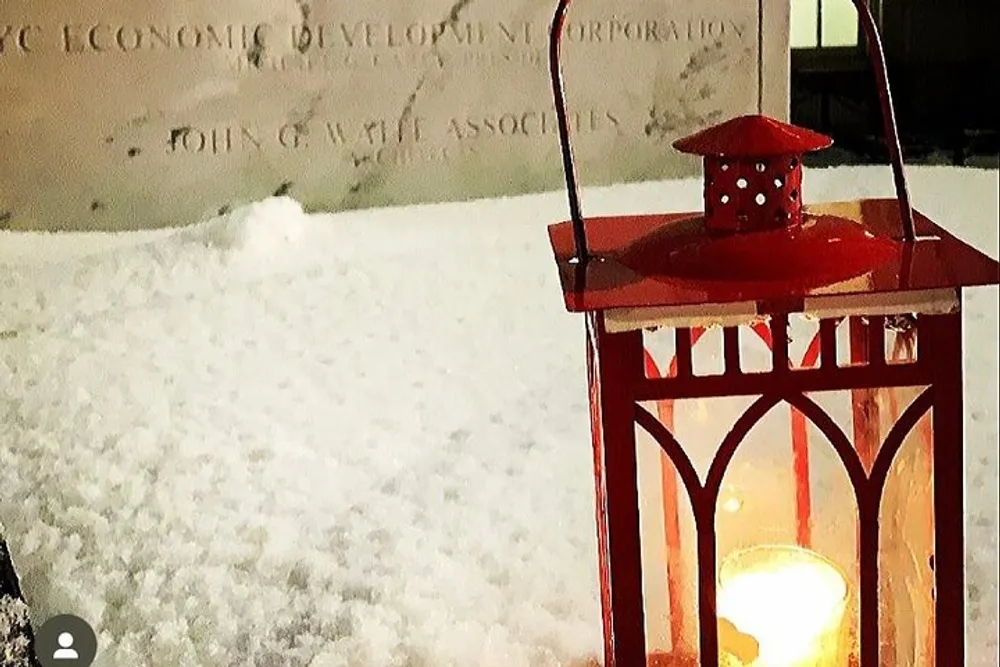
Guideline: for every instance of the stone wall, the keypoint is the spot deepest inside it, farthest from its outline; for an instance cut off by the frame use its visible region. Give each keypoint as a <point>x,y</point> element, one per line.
<point>141,113</point>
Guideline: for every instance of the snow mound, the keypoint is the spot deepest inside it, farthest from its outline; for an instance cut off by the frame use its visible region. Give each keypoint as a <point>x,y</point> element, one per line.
<point>262,228</point>
<point>268,234</point>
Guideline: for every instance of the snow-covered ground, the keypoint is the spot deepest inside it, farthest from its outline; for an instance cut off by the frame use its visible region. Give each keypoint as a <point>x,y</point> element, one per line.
<point>359,440</point>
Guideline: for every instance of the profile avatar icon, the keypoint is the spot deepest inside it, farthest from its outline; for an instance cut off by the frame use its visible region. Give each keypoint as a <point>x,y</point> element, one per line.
<point>65,651</point>
<point>65,641</point>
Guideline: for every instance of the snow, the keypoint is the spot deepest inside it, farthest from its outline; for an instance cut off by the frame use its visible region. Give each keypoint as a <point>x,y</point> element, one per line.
<point>14,649</point>
<point>357,440</point>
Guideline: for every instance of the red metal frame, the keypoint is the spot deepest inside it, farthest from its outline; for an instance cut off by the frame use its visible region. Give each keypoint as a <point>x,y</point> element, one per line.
<point>624,366</point>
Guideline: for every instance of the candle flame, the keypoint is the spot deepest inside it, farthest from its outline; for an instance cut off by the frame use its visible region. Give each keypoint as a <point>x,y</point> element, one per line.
<point>789,600</point>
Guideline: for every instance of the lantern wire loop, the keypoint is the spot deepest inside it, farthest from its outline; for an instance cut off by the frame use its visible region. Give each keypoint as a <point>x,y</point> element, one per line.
<point>569,169</point>
<point>876,56</point>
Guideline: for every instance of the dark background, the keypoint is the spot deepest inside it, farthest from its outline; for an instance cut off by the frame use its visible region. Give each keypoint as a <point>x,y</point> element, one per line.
<point>943,58</point>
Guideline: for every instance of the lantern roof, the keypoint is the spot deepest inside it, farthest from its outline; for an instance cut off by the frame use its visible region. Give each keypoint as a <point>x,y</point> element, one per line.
<point>753,136</point>
<point>670,261</point>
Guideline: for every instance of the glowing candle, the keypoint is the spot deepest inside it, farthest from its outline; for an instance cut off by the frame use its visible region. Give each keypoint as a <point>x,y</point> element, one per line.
<point>782,606</point>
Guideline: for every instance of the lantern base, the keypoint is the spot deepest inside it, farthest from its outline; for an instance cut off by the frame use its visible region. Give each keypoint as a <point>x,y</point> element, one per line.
<point>678,660</point>
<point>675,660</point>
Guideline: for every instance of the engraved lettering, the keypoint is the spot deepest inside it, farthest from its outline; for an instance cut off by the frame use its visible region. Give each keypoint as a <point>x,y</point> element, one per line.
<point>194,141</point>
<point>471,33</point>
<point>215,40</point>
<point>619,30</point>
<point>371,35</point>
<point>180,140</point>
<point>417,34</point>
<point>437,31</point>
<point>92,38</point>
<point>22,37</point>
<point>383,155</point>
<point>293,63</point>
<point>188,37</point>
<point>159,37</point>
<point>335,132</point>
<point>16,38</point>
<point>375,131</point>
<point>221,141</point>
<point>103,37</point>
<point>77,38</point>
<point>302,37</point>
<point>528,124</point>
<point>652,31</point>
<point>128,40</point>
<point>405,129</point>
<point>390,36</point>
<point>532,57</point>
<point>259,36</point>
<point>214,141</point>
<point>417,129</point>
<point>403,155</point>
<point>351,37</point>
<point>516,35</point>
<point>292,135</point>
<point>248,138</point>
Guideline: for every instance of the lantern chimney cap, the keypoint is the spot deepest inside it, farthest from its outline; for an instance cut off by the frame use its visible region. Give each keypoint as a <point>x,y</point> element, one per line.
<point>753,136</point>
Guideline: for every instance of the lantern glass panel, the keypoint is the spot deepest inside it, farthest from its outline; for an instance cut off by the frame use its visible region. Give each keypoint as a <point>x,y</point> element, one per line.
<point>833,509</point>
<point>669,557</point>
<point>906,554</point>
<point>712,363</point>
<point>756,508</point>
<point>803,341</point>
<point>906,540</point>
<point>660,347</point>
<point>789,580</point>
<point>901,340</point>
<point>787,514</point>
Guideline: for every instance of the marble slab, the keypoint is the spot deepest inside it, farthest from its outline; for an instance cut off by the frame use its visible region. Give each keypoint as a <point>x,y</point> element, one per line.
<point>130,114</point>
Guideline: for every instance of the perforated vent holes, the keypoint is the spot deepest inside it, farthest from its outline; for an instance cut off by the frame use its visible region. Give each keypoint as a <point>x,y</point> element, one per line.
<point>752,194</point>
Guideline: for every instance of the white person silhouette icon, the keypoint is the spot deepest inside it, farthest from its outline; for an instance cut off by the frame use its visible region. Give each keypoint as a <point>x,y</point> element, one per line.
<point>65,650</point>
<point>66,641</point>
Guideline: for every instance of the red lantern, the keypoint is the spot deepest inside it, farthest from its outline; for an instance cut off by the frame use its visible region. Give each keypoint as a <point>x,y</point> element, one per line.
<point>728,533</point>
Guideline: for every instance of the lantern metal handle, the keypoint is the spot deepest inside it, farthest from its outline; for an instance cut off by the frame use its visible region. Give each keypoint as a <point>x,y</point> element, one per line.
<point>876,56</point>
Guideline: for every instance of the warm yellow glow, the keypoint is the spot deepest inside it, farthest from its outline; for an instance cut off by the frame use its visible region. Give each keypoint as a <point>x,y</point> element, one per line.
<point>791,601</point>
<point>732,505</point>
